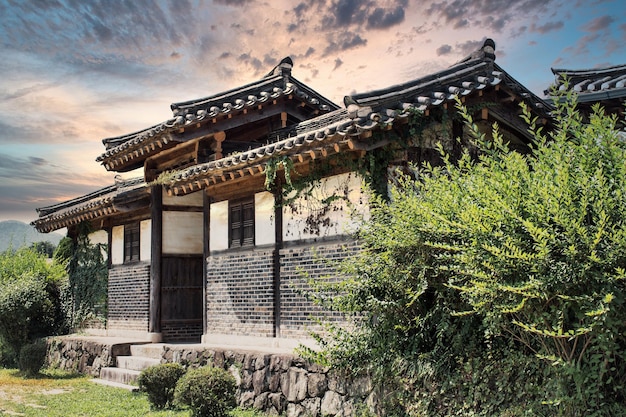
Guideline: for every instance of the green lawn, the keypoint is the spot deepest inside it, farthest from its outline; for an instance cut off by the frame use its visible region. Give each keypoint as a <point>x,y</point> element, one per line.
<point>59,394</point>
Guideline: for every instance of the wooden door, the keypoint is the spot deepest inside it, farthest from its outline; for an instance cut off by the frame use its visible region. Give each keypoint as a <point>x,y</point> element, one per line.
<point>181,299</point>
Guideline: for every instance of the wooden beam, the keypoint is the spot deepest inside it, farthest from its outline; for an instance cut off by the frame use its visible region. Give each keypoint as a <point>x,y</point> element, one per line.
<point>156,250</point>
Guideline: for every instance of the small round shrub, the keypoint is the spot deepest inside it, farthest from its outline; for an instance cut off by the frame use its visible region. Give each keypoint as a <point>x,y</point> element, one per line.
<point>32,357</point>
<point>207,391</point>
<point>159,382</point>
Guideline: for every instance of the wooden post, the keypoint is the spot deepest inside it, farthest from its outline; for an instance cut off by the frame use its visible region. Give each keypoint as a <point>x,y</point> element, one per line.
<point>206,233</point>
<point>278,245</point>
<point>154,321</point>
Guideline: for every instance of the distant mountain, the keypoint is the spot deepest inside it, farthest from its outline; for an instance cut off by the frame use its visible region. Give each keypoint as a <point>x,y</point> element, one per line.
<point>20,234</point>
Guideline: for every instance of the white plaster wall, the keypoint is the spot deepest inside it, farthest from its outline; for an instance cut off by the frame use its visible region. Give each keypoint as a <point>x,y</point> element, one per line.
<point>193,199</point>
<point>100,237</point>
<point>264,219</point>
<point>145,240</point>
<point>182,232</point>
<point>218,238</point>
<point>117,245</point>
<point>340,216</point>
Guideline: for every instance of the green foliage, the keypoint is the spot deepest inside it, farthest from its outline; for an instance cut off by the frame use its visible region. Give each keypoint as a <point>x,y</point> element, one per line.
<point>494,285</point>
<point>30,305</point>
<point>159,382</point>
<point>32,357</point>
<point>207,391</point>
<point>85,295</point>
<point>44,248</point>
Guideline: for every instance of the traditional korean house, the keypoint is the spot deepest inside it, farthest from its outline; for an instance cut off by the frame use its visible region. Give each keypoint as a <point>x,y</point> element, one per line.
<point>246,192</point>
<point>606,86</point>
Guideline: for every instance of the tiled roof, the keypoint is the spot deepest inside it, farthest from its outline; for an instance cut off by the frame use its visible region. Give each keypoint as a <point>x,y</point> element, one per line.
<point>592,84</point>
<point>332,132</point>
<point>364,112</point>
<point>100,203</point>
<point>276,84</point>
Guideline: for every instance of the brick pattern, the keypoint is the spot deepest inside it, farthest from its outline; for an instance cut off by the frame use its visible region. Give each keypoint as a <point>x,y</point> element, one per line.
<point>182,332</point>
<point>240,298</point>
<point>129,297</point>
<point>298,265</point>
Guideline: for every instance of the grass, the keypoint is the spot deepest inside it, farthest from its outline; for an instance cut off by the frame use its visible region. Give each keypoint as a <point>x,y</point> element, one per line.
<point>54,393</point>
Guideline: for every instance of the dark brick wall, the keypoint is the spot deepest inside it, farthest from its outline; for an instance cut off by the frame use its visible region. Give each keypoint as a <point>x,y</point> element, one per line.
<point>240,299</point>
<point>240,296</point>
<point>129,297</point>
<point>299,264</point>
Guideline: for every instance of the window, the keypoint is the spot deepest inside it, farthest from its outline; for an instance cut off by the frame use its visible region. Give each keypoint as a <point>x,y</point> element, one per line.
<point>241,223</point>
<point>131,242</point>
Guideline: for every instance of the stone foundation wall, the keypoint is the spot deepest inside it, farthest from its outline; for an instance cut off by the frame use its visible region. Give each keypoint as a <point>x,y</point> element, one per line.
<point>83,354</point>
<point>275,383</point>
<point>281,384</point>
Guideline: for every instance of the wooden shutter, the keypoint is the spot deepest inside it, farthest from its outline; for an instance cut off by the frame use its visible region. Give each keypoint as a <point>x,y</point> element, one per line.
<point>241,223</point>
<point>248,223</point>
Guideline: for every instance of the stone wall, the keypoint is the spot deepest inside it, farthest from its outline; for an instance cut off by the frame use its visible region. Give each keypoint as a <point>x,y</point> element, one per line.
<point>129,297</point>
<point>84,355</point>
<point>281,384</point>
<point>275,383</point>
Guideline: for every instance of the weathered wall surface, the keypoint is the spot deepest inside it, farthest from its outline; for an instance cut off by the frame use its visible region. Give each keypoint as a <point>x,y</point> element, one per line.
<point>129,297</point>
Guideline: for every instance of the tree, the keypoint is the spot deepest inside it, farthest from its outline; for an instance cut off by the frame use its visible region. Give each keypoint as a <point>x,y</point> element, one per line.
<point>496,284</point>
<point>30,305</point>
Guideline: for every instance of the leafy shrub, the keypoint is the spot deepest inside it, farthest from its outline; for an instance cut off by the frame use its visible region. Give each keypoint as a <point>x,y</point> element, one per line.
<point>32,357</point>
<point>29,309</point>
<point>207,391</point>
<point>159,382</point>
<point>495,285</point>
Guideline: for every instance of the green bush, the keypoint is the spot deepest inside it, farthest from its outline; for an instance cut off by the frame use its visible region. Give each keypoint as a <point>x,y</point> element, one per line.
<point>496,284</point>
<point>159,382</point>
<point>32,357</point>
<point>207,391</point>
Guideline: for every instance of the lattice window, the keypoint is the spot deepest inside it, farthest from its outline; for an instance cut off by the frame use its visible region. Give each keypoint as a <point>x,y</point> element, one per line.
<point>241,223</point>
<point>131,242</point>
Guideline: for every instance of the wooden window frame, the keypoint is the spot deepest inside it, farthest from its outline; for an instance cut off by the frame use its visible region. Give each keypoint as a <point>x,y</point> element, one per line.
<point>241,223</point>
<point>132,242</point>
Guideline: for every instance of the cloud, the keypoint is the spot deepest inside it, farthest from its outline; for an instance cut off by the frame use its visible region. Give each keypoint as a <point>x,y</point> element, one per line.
<point>444,50</point>
<point>598,24</point>
<point>234,3</point>
<point>343,41</point>
<point>547,27</point>
<point>338,63</point>
<point>382,19</point>
<point>493,15</point>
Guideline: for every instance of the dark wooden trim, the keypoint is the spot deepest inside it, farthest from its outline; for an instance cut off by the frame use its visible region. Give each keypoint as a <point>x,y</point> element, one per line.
<point>278,245</point>
<point>109,245</point>
<point>154,323</point>
<point>194,209</point>
<point>206,249</point>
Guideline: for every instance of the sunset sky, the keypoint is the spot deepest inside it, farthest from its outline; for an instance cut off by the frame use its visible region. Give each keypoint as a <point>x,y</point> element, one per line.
<point>76,71</point>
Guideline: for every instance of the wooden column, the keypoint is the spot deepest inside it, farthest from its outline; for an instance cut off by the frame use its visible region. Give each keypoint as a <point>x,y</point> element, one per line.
<point>206,251</point>
<point>219,138</point>
<point>278,245</point>
<point>154,321</point>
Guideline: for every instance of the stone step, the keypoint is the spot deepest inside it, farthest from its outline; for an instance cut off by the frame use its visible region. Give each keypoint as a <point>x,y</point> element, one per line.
<point>136,363</point>
<point>122,376</point>
<point>131,388</point>
<point>151,350</point>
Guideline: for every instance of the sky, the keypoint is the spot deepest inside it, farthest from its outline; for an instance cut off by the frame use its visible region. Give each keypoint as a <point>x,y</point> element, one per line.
<point>73,72</point>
